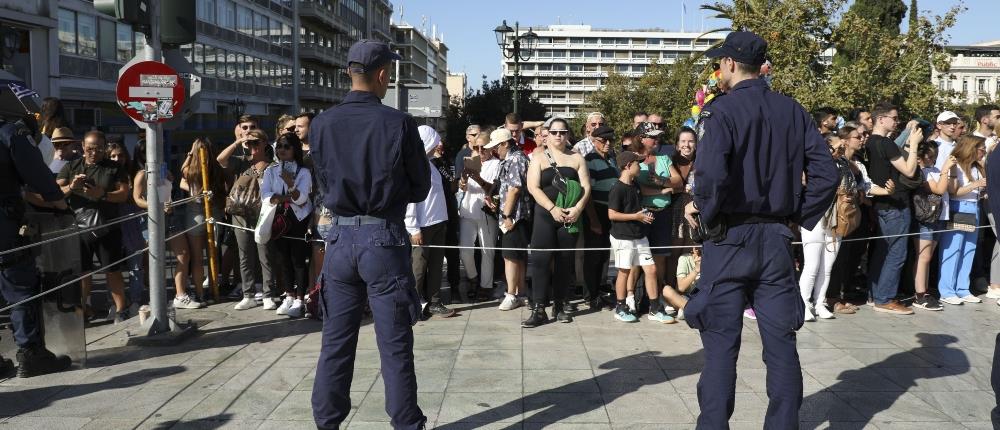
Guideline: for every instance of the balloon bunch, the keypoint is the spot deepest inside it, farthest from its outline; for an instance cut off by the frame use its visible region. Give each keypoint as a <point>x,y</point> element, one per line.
<point>704,95</point>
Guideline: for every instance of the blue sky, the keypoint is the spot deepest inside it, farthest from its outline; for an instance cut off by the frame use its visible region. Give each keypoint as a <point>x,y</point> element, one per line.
<point>468,25</point>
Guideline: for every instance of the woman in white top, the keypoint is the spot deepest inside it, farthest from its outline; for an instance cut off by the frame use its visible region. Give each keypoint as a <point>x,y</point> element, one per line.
<point>287,184</point>
<point>966,183</point>
<point>476,223</point>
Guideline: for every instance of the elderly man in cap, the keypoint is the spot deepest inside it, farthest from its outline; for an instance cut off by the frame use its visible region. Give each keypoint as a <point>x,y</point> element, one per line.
<point>603,174</point>
<point>371,163</point>
<point>586,146</point>
<point>755,146</point>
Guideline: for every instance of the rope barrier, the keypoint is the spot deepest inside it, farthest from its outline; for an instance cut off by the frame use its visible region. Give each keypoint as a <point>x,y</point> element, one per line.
<point>99,270</point>
<point>495,248</point>
<point>114,221</point>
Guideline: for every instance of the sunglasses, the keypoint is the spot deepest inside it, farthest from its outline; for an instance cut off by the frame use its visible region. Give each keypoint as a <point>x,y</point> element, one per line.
<point>290,128</point>
<point>596,124</point>
<point>558,132</point>
<point>657,124</point>
<point>283,146</point>
<point>248,127</point>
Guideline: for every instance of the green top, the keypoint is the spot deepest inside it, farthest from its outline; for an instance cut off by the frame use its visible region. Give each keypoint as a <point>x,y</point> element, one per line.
<point>662,169</point>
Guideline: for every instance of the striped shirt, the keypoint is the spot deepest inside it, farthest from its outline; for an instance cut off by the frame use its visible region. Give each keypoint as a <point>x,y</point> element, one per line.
<point>603,174</point>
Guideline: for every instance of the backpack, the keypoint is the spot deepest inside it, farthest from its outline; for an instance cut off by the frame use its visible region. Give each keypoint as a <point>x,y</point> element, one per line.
<point>926,206</point>
<point>244,198</point>
<point>847,213</point>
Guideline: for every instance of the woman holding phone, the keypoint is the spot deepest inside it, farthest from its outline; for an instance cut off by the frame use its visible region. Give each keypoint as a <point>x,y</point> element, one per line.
<point>480,170</point>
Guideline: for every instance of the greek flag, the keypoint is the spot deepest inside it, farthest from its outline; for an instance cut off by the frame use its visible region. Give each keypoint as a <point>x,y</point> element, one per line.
<point>22,92</point>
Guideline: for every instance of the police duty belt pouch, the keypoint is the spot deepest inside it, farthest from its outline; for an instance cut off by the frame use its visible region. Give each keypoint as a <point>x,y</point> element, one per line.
<point>715,232</point>
<point>961,221</point>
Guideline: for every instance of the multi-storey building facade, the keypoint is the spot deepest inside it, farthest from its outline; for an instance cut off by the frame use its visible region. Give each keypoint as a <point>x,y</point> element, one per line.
<point>571,61</point>
<point>974,73</point>
<point>425,58</point>
<point>458,84</point>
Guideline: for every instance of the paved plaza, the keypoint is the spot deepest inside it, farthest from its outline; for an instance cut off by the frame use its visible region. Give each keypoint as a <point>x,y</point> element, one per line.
<point>254,370</point>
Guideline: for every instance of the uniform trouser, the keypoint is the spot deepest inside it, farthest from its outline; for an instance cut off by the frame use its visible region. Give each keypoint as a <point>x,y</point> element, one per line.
<point>888,254</point>
<point>370,261</point>
<point>958,249</point>
<point>995,258</point>
<point>819,250</point>
<point>254,258</point>
<point>548,234</point>
<point>595,262</point>
<point>754,262</point>
<point>995,383</point>
<point>19,280</point>
<point>485,229</point>
<point>428,262</point>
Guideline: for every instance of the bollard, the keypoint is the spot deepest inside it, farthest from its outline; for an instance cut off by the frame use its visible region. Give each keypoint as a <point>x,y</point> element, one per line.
<point>213,271</point>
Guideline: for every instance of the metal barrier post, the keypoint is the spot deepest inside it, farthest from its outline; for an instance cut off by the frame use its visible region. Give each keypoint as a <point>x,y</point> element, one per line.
<point>209,227</point>
<point>157,246</point>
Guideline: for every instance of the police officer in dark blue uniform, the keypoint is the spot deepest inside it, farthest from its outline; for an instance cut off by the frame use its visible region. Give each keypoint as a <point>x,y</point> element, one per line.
<point>23,171</point>
<point>755,146</point>
<point>371,163</point>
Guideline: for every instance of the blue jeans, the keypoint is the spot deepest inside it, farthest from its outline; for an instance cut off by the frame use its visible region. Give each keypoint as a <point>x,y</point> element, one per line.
<point>958,249</point>
<point>888,254</point>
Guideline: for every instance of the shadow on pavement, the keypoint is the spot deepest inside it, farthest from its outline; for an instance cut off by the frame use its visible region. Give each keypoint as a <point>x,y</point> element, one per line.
<point>868,406</point>
<point>554,408</point>
<point>210,423</point>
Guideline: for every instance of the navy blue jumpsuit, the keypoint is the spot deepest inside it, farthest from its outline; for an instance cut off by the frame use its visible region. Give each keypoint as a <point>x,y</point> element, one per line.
<point>370,162</point>
<point>755,146</point>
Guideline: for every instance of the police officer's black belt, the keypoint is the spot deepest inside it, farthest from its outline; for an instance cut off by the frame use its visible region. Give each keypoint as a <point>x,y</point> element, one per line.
<point>359,220</point>
<point>740,219</point>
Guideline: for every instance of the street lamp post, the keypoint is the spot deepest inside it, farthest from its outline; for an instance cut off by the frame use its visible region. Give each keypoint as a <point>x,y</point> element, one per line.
<point>530,39</point>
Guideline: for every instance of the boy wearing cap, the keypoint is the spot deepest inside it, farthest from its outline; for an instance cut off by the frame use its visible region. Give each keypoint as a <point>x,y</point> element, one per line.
<point>628,240</point>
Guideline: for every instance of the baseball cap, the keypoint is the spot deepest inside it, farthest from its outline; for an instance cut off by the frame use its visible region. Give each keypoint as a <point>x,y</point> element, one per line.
<point>648,129</point>
<point>499,136</point>
<point>370,54</point>
<point>948,116</point>
<point>627,157</point>
<point>604,132</point>
<point>743,46</point>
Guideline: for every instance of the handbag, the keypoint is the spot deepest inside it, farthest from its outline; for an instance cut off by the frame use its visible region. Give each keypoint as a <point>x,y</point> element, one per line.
<point>558,182</point>
<point>926,206</point>
<point>848,217</point>
<point>962,221</point>
<point>282,221</point>
<point>88,217</point>
<point>262,233</point>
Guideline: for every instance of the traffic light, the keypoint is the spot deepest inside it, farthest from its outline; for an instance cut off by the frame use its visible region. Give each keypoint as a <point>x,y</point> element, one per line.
<point>134,12</point>
<point>177,22</point>
<point>177,18</point>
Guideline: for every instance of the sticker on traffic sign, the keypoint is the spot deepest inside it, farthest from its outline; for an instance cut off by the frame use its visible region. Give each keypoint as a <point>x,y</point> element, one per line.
<point>150,91</point>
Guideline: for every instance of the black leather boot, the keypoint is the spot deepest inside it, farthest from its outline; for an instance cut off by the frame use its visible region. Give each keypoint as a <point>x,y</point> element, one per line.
<point>37,360</point>
<point>537,317</point>
<point>561,312</point>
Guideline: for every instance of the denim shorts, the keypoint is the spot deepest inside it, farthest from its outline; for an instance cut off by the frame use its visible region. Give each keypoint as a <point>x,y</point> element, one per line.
<point>929,231</point>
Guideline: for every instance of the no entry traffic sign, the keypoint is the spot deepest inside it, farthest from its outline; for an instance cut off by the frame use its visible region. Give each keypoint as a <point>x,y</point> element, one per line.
<point>150,91</point>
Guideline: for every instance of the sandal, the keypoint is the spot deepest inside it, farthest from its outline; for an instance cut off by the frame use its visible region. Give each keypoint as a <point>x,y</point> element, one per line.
<point>844,308</point>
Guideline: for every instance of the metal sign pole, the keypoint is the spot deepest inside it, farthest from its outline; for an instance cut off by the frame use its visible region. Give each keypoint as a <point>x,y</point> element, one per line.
<point>157,322</point>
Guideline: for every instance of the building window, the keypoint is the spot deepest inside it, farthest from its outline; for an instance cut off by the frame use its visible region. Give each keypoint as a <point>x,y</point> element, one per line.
<point>244,20</point>
<point>231,65</point>
<point>123,42</point>
<point>622,68</point>
<point>206,11</point>
<point>274,35</point>
<point>67,31</point>
<point>227,14</point>
<point>199,58</point>
<point>86,27</point>
<point>576,67</point>
<point>982,86</point>
<point>576,40</point>
<point>965,86</point>
<point>260,25</point>
<point>639,68</point>
<point>210,61</point>
<point>576,54</point>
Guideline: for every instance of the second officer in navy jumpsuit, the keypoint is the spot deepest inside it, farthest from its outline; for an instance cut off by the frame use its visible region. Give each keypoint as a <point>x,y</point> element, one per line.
<point>755,146</point>
<point>370,162</point>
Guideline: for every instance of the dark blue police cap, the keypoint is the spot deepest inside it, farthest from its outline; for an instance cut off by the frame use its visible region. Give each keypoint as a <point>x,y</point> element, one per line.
<point>370,54</point>
<point>743,47</point>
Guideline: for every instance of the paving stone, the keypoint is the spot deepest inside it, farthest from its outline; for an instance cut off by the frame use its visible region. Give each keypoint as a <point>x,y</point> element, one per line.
<point>372,409</point>
<point>428,381</point>
<point>646,407</point>
<point>481,408</point>
<point>560,381</point>
<point>46,423</point>
<point>884,407</point>
<point>297,406</point>
<point>626,380</point>
<point>485,381</point>
<point>961,405</point>
<point>539,358</point>
<point>750,407</point>
<point>544,407</point>
<point>502,359</point>
<point>491,342</point>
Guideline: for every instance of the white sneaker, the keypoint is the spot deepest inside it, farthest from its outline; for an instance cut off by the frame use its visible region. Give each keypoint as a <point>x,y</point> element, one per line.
<point>809,315</point>
<point>270,305</point>
<point>285,305</point>
<point>823,312</point>
<point>971,299</point>
<point>259,297</point>
<point>509,302</point>
<point>246,303</point>
<point>630,302</point>
<point>680,315</point>
<point>993,293</point>
<point>952,300</point>
<point>186,302</point>
<point>296,310</point>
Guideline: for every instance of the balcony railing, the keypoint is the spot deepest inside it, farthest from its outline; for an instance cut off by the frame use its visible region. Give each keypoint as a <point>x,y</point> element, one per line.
<point>322,13</point>
<point>321,93</point>
<point>322,54</point>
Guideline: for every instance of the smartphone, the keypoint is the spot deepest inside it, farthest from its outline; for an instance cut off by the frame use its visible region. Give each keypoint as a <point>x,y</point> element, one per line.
<point>472,164</point>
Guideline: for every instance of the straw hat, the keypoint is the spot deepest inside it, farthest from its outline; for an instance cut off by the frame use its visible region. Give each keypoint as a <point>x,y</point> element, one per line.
<point>62,135</point>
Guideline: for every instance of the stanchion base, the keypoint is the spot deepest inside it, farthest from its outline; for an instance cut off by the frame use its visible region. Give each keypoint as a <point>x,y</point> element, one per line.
<point>177,334</point>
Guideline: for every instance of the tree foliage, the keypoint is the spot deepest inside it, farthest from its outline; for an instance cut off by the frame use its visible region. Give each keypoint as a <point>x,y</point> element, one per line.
<point>875,61</point>
<point>488,106</point>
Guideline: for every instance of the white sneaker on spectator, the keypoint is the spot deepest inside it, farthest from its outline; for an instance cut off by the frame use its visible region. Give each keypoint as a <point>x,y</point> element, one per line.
<point>971,299</point>
<point>809,315</point>
<point>952,300</point>
<point>186,302</point>
<point>993,293</point>
<point>259,297</point>
<point>285,305</point>
<point>246,303</point>
<point>823,312</point>
<point>630,302</point>
<point>270,305</point>
<point>296,310</point>
<point>509,302</point>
